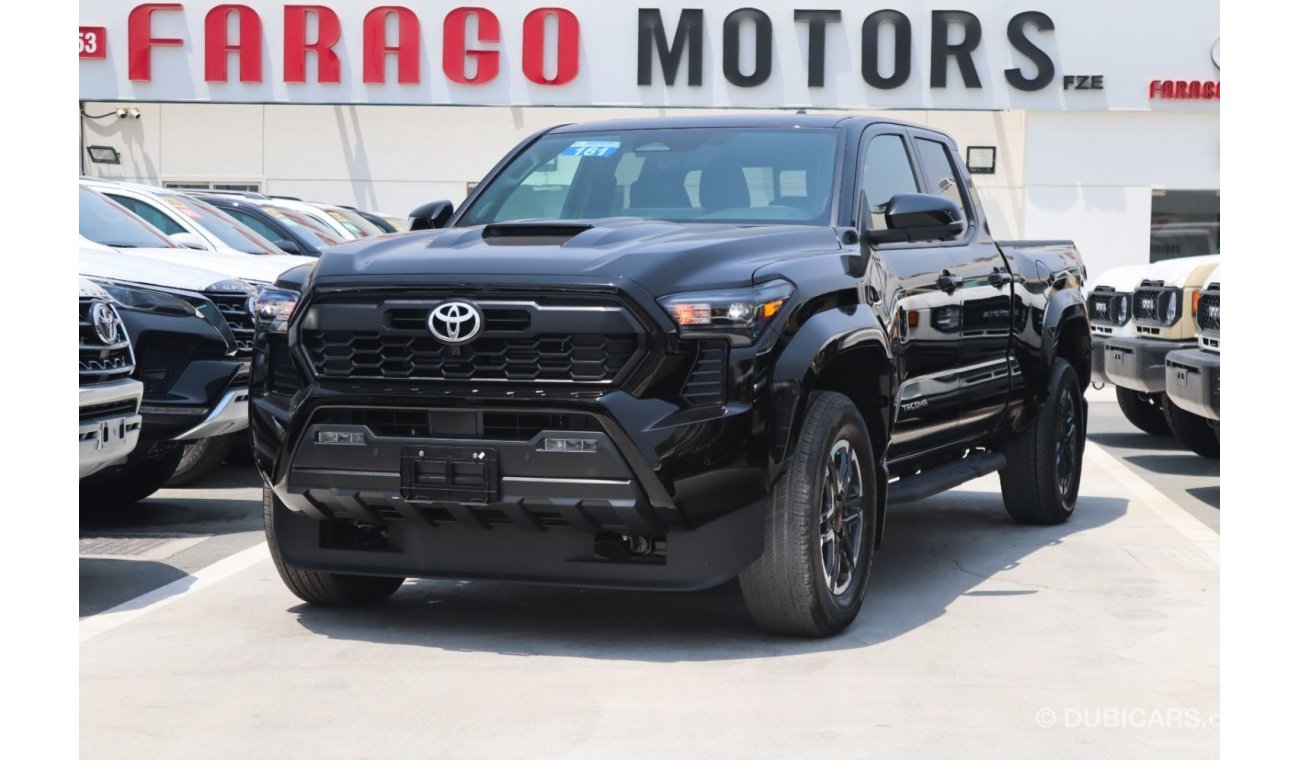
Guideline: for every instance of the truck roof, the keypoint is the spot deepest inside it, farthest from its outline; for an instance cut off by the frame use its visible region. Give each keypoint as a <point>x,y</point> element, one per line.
<point>757,120</point>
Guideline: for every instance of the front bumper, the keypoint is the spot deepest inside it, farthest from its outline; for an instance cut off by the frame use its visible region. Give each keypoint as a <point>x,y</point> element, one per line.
<point>228,415</point>
<point>1139,363</point>
<point>1192,381</point>
<point>110,424</point>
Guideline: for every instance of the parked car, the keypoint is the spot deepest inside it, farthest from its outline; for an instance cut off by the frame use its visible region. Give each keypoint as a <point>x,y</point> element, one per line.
<point>109,398</point>
<point>1164,320</point>
<point>1110,312</point>
<point>184,219</point>
<point>694,352</point>
<point>1192,378</point>
<point>290,231</point>
<point>227,280</point>
<point>385,222</point>
<point>354,222</point>
<point>318,215</point>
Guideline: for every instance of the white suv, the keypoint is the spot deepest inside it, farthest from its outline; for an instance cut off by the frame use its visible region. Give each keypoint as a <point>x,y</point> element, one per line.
<point>1110,314</point>
<point>109,398</point>
<point>1192,379</point>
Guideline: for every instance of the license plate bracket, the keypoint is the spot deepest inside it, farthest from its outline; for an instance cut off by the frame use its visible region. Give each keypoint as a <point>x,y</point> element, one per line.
<point>455,474</point>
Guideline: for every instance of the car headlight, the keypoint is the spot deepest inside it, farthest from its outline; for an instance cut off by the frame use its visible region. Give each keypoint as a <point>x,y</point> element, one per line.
<point>144,299</point>
<point>739,315</point>
<point>1121,309</point>
<point>1171,310</point>
<point>273,309</point>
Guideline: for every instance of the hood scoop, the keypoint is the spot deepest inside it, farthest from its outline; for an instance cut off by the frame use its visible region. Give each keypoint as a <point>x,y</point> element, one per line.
<point>532,233</point>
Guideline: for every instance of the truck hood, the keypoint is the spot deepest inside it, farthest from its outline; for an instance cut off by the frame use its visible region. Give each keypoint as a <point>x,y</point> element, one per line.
<point>662,257</point>
<point>1122,279</point>
<point>131,265</point>
<point>1190,272</point>
<point>243,266</point>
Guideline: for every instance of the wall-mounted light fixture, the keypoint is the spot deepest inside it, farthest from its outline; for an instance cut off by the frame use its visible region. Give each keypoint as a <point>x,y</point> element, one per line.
<point>103,154</point>
<point>981,159</point>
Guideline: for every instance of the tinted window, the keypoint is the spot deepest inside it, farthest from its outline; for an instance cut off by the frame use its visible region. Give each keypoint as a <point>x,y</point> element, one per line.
<point>886,172</point>
<point>681,175</point>
<point>940,172</point>
<point>224,228</point>
<point>107,223</point>
<point>147,212</point>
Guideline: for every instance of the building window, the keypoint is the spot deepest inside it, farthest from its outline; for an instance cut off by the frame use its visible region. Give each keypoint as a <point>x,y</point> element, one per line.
<point>1184,223</point>
<point>243,187</point>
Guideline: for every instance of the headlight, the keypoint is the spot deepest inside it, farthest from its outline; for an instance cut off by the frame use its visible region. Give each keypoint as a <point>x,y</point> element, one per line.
<point>737,314</point>
<point>144,299</point>
<point>1121,309</point>
<point>1171,310</point>
<point>273,309</point>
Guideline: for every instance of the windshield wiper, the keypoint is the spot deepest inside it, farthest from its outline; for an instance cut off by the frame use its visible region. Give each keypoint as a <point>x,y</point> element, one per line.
<point>121,245</point>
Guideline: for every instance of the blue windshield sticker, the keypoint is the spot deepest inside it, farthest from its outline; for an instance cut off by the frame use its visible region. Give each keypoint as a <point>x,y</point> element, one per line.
<point>596,148</point>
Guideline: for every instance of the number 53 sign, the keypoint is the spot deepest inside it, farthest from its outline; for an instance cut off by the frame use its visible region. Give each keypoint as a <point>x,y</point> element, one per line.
<point>91,41</point>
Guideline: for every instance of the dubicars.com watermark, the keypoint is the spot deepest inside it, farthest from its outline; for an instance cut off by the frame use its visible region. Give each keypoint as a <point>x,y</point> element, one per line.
<point>1126,717</point>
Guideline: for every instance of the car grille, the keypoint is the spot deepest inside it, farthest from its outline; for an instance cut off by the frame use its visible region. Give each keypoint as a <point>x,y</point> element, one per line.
<point>1207,312</point>
<point>102,363</point>
<point>234,307</point>
<point>523,340</point>
<point>707,382</point>
<point>424,423</point>
<point>123,408</point>
<point>161,362</point>
<point>1108,307</point>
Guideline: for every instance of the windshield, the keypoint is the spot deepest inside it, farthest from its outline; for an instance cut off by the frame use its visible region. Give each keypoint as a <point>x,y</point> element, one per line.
<point>354,222</point>
<point>303,224</point>
<point>229,231</point>
<point>746,176</point>
<point>108,223</point>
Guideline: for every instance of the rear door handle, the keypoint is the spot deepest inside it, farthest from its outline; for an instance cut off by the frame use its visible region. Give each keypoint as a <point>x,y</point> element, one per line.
<point>948,282</point>
<point>998,278</point>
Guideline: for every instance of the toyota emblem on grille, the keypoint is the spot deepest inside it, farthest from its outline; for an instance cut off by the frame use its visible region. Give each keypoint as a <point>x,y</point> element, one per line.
<point>454,322</point>
<point>105,322</point>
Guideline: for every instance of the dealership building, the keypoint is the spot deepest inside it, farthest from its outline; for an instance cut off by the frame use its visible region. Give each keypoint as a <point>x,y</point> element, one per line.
<point>1093,121</point>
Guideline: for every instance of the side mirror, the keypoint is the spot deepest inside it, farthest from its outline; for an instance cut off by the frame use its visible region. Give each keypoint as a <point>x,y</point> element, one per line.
<point>430,216</point>
<point>189,240</point>
<point>919,216</point>
<point>288,246</point>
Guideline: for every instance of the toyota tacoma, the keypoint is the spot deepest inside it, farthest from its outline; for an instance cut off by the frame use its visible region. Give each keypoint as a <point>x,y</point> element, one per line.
<point>663,353</point>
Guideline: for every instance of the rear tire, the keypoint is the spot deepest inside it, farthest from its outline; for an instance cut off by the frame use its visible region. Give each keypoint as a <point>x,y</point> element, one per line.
<point>819,528</point>
<point>201,458</point>
<point>1144,410</point>
<point>1044,462</point>
<point>315,587</point>
<point>146,470</point>
<point>1192,432</point>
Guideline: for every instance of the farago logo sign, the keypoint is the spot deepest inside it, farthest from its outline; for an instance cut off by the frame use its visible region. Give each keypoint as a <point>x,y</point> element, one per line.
<point>591,52</point>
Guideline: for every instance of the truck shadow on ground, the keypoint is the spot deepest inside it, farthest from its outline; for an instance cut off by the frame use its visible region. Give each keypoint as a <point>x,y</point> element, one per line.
<point>934,552</point>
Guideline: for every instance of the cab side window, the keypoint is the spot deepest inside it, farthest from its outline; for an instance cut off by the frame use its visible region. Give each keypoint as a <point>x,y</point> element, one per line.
<point>150,214</point>
<point>886,172</point>
<point>940,172</point>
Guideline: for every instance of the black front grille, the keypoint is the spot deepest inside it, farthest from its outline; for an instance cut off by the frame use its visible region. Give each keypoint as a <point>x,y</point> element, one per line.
<point>284,375</point>
<point>234,307</point>
<point>1151,304</point>
<point>1108,307</point>
<point>578,358</point>
<point>100,362</point>
<point>161,361</point>
<point>424,423</point>
<point>707,382</point>
<point>1207,312</point>
<point>123,408</point>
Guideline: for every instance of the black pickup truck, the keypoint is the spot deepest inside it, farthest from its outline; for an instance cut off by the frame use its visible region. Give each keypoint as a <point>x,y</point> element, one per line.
<point>661,353</point>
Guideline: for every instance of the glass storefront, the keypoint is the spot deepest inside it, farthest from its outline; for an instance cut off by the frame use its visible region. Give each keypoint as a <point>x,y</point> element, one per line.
<point>1184,223</point>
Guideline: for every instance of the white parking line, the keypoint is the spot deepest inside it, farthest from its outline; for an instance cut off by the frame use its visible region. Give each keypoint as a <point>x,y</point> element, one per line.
<point>1149,496</point>
<point>127,611</point>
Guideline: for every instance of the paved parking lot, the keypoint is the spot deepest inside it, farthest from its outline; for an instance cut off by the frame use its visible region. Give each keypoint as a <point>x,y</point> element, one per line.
<point>1097,638</point>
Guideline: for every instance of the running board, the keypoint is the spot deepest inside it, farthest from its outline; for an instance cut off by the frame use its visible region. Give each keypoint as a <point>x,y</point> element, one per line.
<point>945,477</point>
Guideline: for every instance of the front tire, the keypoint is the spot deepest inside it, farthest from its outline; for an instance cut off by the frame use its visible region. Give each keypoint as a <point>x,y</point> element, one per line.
<point>819,529</point>
<point>1192,432</point>
<point>316,587</point>
<point>1144,410</point>
<point>201,458</point>
<point>1045,461</point>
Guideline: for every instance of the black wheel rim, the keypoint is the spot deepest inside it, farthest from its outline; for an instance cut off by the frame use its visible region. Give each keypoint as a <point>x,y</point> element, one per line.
<point>841,519</point>
<point>1068,445</point>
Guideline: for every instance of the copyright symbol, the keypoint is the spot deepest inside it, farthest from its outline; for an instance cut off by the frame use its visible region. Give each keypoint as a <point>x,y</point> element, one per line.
<point>1046,717</point>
